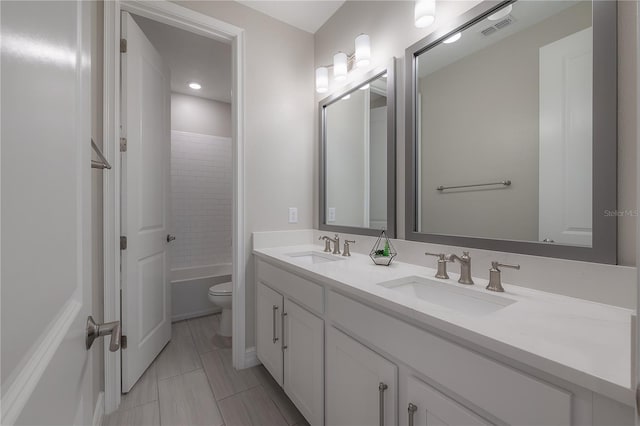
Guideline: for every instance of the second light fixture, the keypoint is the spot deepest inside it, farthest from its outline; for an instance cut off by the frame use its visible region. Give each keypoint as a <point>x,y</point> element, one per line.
<point>360,59</point>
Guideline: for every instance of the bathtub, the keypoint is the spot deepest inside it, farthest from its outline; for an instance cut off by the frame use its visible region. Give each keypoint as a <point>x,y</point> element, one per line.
<point>190,288</point>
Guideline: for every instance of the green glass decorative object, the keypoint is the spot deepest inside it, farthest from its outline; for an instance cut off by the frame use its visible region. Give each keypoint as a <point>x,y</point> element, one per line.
<point>383,252</point>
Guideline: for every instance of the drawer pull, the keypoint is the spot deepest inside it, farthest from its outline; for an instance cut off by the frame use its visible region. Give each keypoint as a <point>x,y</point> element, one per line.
<point>284,314</point>
<point>381,388</point>
<point>275,308</point>
<point>412,411</point>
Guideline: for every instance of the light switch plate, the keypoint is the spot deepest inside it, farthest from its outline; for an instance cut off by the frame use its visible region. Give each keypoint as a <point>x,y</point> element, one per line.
<point>332,214</point>
<point>293,215</point>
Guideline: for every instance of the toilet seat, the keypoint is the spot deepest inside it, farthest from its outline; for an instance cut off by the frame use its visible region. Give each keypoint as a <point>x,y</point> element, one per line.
<point>223,289</point>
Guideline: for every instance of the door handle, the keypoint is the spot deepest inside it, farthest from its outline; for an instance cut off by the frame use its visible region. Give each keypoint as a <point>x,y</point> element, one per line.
<point>284,347</point>
<point>412,411</point>
<point>98,330</point>
<point>275,309</point>
<point>381,388</point>
<point>170,238</point>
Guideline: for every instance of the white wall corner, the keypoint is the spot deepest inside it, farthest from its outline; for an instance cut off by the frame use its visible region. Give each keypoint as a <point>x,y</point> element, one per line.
<point>98,411</point>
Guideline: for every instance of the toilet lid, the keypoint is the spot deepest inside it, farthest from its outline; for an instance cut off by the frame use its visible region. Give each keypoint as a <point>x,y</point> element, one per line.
<point>221,289</point>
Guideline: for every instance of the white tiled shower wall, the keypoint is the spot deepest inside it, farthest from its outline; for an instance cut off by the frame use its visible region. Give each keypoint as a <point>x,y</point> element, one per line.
<point>201,195</point>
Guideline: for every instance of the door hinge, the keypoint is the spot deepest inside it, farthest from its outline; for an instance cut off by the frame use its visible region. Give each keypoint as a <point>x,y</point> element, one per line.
<point>123,243</point>
<point>123,144</point>
<point>123,342</point>
<point>123,45</point>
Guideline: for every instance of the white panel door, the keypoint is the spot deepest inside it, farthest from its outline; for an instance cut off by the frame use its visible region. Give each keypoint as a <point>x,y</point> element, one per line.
<point>146,314</point>
<point>431,408</point>
<point>566,80</point>
<point>46,224</point>
<point>354,374</point>
<point>304,361</point>
<point>269,308</point>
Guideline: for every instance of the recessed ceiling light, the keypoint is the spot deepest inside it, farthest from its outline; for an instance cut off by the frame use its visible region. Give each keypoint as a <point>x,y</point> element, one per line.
<point>453,38</point>
<point>347,96</point>
<point>365,87</point>
<point>501,13</point>
<point>195,86</point>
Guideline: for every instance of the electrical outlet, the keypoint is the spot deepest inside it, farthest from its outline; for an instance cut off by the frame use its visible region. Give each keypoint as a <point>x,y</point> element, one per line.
<point>293,215</point>
<point>332,214</point>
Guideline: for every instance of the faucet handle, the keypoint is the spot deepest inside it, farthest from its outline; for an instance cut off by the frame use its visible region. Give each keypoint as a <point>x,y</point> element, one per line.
<point>498,265</point>
<point>441,256</point>
<point>495,276</point>
<point>442,265</point>
<point>345,251</point>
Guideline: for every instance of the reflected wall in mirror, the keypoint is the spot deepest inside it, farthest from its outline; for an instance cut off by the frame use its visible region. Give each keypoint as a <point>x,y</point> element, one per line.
<point>506,125</point>
<point>357,134</point>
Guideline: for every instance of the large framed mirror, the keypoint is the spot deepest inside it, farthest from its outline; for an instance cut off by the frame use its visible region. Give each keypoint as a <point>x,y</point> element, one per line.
<point>511,130</point>
<point>357,156</point>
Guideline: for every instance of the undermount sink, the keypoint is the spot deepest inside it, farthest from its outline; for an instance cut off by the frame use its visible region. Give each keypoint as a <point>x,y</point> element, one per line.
<point>461,299</point>
<point>313,257</point>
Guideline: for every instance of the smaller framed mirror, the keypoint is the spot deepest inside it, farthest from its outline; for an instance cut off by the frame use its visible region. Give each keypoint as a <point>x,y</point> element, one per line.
<point>357,156</point>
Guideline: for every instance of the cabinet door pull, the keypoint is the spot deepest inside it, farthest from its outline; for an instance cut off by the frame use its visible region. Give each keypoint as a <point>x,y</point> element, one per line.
<point>275,308</point>
<point>412,411</point>
<point>381,388</point>
<point>284,314</point>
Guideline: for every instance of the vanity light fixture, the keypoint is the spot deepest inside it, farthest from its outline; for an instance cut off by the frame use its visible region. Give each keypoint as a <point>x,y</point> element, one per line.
<point>195,86</point>
<point>322,79</point>
<point>453,38</point>
<point>343,63</point>
<point>424,13</point>
<point>501,13</point>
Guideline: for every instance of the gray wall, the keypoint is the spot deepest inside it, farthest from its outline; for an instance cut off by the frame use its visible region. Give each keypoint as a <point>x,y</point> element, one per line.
<point>279,126</point>
<point>198,115</point>
<point>390,26</point>
<point>491,139</point>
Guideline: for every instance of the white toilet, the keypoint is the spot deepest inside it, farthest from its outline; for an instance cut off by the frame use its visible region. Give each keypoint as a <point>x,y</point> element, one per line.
<point>220,295</point>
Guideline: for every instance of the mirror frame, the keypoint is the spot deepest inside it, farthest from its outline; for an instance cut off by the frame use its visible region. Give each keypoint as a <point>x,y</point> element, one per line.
<point>391,152</point>
<point>604,166</point>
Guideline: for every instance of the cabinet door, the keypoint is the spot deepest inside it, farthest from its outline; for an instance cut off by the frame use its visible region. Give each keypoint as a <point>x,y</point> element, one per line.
<point>269,308</point>
<point>361,385</point>
<point>304,361</point>
<point>430,407</point>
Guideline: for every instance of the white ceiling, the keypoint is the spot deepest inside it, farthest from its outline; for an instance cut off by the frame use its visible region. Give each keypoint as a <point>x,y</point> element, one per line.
<point>191,57</point>
<point>307,15</point>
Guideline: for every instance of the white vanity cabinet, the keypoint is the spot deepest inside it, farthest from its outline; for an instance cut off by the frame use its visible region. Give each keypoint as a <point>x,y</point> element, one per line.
<point>426,406</point>
<point>290,339</point>
<point>361,385</point>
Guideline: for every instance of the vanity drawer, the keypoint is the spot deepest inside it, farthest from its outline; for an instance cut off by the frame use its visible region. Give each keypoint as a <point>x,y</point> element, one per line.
<point>302,290</point>
<point>510,395</point>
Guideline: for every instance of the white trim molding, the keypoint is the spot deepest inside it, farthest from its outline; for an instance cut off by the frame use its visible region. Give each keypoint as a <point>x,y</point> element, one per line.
<point>33,366</point>
<point>177,16</point>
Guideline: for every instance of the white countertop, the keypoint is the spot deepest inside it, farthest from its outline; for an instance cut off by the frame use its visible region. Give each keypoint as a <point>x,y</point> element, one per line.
<point>582,342</point>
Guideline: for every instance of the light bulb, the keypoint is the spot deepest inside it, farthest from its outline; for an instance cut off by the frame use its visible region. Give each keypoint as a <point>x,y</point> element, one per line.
<point>424,13</point>
<point>195,86</point>
<point>340,66</point>
<point>363,51</point>
<point>322,79</point>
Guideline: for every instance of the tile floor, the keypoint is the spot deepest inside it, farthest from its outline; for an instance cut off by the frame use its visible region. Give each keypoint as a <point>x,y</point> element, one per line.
<point>193,382</point>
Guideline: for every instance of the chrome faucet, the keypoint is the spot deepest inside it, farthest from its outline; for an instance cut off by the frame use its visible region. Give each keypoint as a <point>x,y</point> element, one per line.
<point>495,276</point>
<point>465,267</point>
<point>328,241</point>
<point>442,265</point>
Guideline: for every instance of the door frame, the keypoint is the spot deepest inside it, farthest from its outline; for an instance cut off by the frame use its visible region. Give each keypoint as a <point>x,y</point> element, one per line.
<point>177,16</point>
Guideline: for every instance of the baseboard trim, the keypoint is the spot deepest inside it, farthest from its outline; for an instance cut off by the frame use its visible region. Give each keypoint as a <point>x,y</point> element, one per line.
<point>98,412</point>
<point>251,357</point>
<point>196,314</point>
